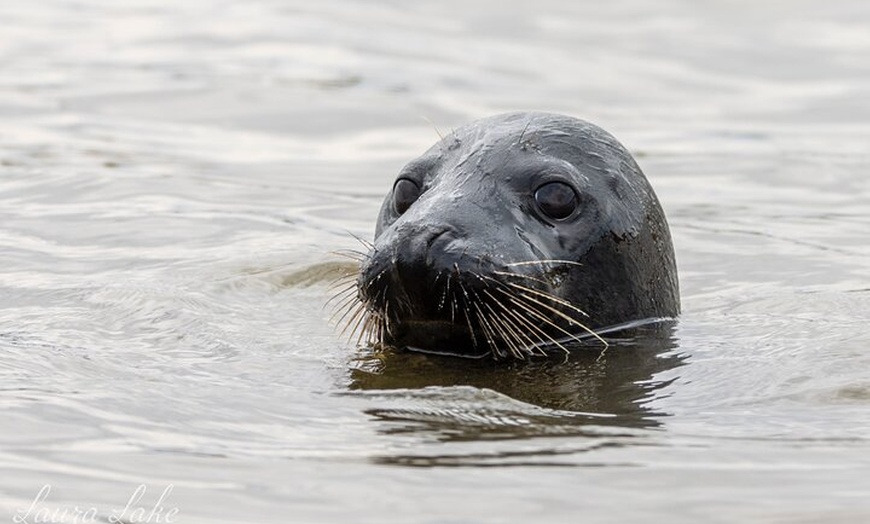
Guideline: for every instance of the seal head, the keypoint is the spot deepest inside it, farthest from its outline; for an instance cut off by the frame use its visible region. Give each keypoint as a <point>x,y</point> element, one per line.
<point>513,235</point>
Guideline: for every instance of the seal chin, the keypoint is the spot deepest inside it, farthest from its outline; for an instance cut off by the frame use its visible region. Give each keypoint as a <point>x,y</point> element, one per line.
<point>436,336</point>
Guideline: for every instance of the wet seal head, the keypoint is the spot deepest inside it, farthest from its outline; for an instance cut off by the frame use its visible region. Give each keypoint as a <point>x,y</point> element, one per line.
<point>513,236</point>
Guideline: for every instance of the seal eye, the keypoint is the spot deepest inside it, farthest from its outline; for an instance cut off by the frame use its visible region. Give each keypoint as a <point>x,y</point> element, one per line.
<point>405,193</point>
<point>556,199</point>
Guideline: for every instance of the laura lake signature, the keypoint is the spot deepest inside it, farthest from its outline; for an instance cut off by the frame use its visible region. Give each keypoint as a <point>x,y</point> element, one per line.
<point>41,511</point>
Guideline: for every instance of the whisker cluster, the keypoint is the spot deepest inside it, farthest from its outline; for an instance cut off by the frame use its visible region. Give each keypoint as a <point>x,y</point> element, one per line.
<point>522,317</point>
<point>502,312</point>
<point>360,322</point>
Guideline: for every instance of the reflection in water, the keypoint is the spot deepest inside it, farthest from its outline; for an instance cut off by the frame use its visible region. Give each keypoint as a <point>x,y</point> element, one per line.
<point>587,393</point>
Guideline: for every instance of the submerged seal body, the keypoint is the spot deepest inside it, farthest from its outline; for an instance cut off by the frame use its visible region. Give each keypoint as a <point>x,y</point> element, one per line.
<point>513,235</point>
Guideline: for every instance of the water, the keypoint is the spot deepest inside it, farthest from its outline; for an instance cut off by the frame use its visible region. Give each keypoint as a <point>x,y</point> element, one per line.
<point>175,175</point>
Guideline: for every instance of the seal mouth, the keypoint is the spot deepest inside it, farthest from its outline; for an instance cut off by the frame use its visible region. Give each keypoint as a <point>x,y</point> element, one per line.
<point>437,337</point>
<point>469,314</point>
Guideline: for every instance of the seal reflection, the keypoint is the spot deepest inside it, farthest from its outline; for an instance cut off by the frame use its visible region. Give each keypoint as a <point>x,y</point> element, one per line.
<point>566,395</point>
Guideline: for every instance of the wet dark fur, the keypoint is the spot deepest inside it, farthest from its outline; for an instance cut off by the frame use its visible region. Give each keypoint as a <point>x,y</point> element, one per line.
<point>474,266</point>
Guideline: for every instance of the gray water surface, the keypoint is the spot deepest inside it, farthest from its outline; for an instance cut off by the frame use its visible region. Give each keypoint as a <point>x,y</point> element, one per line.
<point>175,175</point>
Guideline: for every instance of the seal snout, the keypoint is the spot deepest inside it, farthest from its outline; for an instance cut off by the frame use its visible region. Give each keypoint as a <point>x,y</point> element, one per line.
<point>422,260</point>
<point>422,275</point>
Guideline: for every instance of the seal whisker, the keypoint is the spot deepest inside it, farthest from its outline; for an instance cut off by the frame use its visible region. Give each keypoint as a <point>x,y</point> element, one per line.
<point>443,300</point>
<point>375,280</point>
<point>470,328</point>
<point>375,331</point>
<point>524,341</point>
<point>548,296</point>
<point>487,330</point>
<point>374,334</point>
<point>431,123</point>
<point>494,330</point>
<point>483,329</point>
<point>364,328</point>
<point>516,300</point>
<point>520,275</point>
<point>521,322</point>
<point>350,327</point>
<point>544,262</point>
<point>387,325</point>
<point>522,347</point>
<point>378,334</point>
<point>568,318</point>
<point>349,291</point>
<point>478,303</point>
<point>388,322</point>
<point>466,311</point>
<point>345,307</point>
<point>368,245</point>
<point>490,336</point>
<point>344,310</point>
<point>368,328</point>
<point>523,133</point>
<point>352,254</point>
<point>531,307</point>
<point>506,334</point>
<point>534,313</point>
<point>381,298</point>
<point>356,312</point>
<point>544,338</point>
<point>341,286</point>
<point>339,302</point>
<point>344,286</point>
<point>362,315</point>
<point>348,275</point>
<point>452,301</point>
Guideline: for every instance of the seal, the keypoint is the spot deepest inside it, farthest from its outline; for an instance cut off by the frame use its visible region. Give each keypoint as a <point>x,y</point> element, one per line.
<point>513,236</point>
